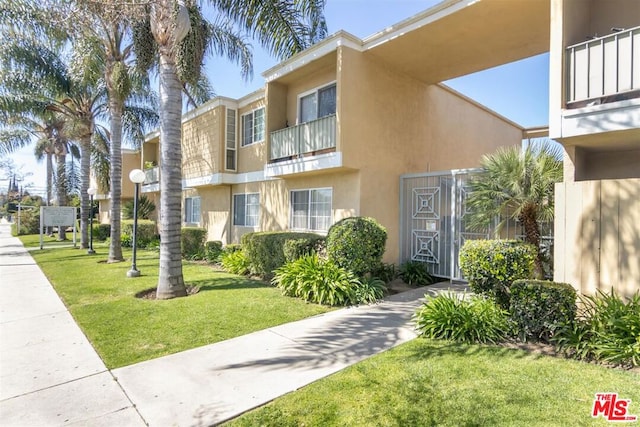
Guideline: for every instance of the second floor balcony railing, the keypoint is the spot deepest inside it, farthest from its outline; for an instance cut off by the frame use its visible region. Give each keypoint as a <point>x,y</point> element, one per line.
<point>152,176</point>
<point>305,138</point>
<point>604,69</point>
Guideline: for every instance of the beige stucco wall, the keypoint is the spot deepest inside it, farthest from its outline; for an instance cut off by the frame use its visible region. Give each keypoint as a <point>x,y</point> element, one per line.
<point>202,138</point>
<point>597,238</point>
<point>253,157</point>
<point>215,212</point>
<point>390,124</point>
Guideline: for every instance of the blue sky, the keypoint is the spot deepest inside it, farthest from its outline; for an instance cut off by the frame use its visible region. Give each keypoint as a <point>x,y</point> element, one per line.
<point>518,91</point>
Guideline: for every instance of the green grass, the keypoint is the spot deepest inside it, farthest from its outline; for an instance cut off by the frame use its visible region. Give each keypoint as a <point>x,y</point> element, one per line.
<point>438,383</point>
<point>126,330</point>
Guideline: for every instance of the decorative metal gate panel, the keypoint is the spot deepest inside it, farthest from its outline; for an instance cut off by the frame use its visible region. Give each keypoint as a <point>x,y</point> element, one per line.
<point>432,228</point>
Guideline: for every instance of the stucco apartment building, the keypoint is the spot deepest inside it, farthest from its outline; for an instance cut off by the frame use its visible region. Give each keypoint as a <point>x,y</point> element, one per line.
<point>336,126</point>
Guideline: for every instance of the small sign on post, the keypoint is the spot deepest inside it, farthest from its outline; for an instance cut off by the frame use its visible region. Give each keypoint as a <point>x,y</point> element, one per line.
<point>55,216</point>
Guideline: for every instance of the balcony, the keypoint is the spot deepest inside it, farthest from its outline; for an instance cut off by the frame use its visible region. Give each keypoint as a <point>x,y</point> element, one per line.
<point>604,70</point>
<point>152,176</point>
<point>307,138</point>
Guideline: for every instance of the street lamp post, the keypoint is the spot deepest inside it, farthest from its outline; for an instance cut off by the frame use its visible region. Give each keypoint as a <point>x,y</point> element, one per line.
<point>136,176</point>
<point>91,191</point>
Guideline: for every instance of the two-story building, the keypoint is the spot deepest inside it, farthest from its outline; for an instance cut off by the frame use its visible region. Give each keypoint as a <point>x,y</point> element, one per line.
<point>595,114</point>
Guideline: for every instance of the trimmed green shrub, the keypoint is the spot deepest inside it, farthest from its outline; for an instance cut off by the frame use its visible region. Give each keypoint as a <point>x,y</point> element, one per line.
<point>232,247</point>
<point>235,262</point>
<point>357,244</point>
<point>315,280</point>
<point>491,266</point>
<point>415,273</point>
<point>265,250</point>
<point>192,241</point>
<point>212,250</point>
<point>607,329</point>
<point>539,308</point>
<point>297,248</point>
<point>146,233</point>
<point>451,317</point>
<point>101,232</point>
<point>385,272</point>
<point>29,222</point>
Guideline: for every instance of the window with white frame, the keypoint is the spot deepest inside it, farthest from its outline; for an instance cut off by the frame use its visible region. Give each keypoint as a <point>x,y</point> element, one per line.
<point>192,210</point>
<point>253,127</point>
<point>230,158</point>
<point>311,209</point>
<point>246,209</point>
<point>318,104</point>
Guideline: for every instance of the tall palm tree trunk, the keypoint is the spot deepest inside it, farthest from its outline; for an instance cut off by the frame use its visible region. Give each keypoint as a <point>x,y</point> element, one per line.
<point>532,236</point>
<point>49,162</point>
<point>115,109</point>
<point>61,187</point>
<point>170,280</point>
<point>85,171</point>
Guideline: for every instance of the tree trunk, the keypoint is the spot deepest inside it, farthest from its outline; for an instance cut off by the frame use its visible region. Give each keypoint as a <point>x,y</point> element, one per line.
<point>85,174</point>
<point>61,187</point>
<point>532,235</point>
<point>170,280</point>
<point>115,110</point>
<point>49,160</point>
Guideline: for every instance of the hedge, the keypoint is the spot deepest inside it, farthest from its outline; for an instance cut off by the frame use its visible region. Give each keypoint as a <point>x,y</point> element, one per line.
<point>491,266</point>
<point>539,308</point>
<point>192,241</point>
<point>265,250</point>
<point>357,244</point>
<point>146,232</point>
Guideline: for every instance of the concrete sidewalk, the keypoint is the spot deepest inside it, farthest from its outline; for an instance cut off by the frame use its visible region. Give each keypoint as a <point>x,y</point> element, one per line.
<point>50,374</point>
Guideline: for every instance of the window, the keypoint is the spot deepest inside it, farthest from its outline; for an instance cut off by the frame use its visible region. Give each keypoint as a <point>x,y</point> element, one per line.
<point>231,140</point>
<point>318,104</point>
<point>311,209</point>
<point>192,210</point>
<point>253,127</point>
<point>246,208</point>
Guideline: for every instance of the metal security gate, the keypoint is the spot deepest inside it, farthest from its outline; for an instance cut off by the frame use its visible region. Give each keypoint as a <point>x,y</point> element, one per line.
<point>432,229</point>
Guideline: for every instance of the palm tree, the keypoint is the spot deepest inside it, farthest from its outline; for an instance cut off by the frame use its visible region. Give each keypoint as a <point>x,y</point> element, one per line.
<point>181,37</point>
<point>517,184</point>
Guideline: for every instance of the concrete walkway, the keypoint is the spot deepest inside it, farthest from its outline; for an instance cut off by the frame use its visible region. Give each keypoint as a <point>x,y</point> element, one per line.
<point>51,376</point>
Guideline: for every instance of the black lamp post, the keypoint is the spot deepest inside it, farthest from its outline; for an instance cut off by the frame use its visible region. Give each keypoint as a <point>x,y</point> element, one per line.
<point>136,176</point>
<point>91,191</point>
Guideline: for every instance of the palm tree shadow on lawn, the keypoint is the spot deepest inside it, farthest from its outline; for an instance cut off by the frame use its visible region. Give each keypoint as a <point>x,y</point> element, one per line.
<point>217,284</point>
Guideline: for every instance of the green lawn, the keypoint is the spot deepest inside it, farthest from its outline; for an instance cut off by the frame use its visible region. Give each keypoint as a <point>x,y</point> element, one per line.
<point>436,383</point>
<point>126,330</point>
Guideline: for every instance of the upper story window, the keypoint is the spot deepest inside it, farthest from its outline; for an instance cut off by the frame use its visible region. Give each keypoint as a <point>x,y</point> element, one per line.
<point>230,146</point>
<point>311,209</point>
<point>192,210</point>
<point>253,127</point>
<point>246,208</point>
<point>317,104</point>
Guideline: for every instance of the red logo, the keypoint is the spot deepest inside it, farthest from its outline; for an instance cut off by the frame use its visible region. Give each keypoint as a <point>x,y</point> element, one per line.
<point>611,408</point>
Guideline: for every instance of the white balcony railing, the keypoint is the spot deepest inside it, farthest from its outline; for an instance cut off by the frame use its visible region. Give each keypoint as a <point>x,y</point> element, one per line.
<point>152,175</point>
<point>305,138</point>
<point>604,66</point>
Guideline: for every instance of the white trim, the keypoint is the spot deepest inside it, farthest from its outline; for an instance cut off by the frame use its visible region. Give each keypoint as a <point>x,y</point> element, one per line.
<point>235,147</point>
<point>414,22</point>
<point>305,164</point>
<point>151,135</point>
<point>326,46</point>
<point>251,98</point>
<point>208,106</point>
<point>226,178</point>
<point>150,188</point>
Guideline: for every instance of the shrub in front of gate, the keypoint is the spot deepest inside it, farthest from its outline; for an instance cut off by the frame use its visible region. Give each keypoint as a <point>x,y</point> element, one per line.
<point>357,244</point>
<point>415,273</point>
<point>539,308</point>
<point>491,266</point>
<point>265,250</point>
<point>323,282</point>
<point>468,320</point>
